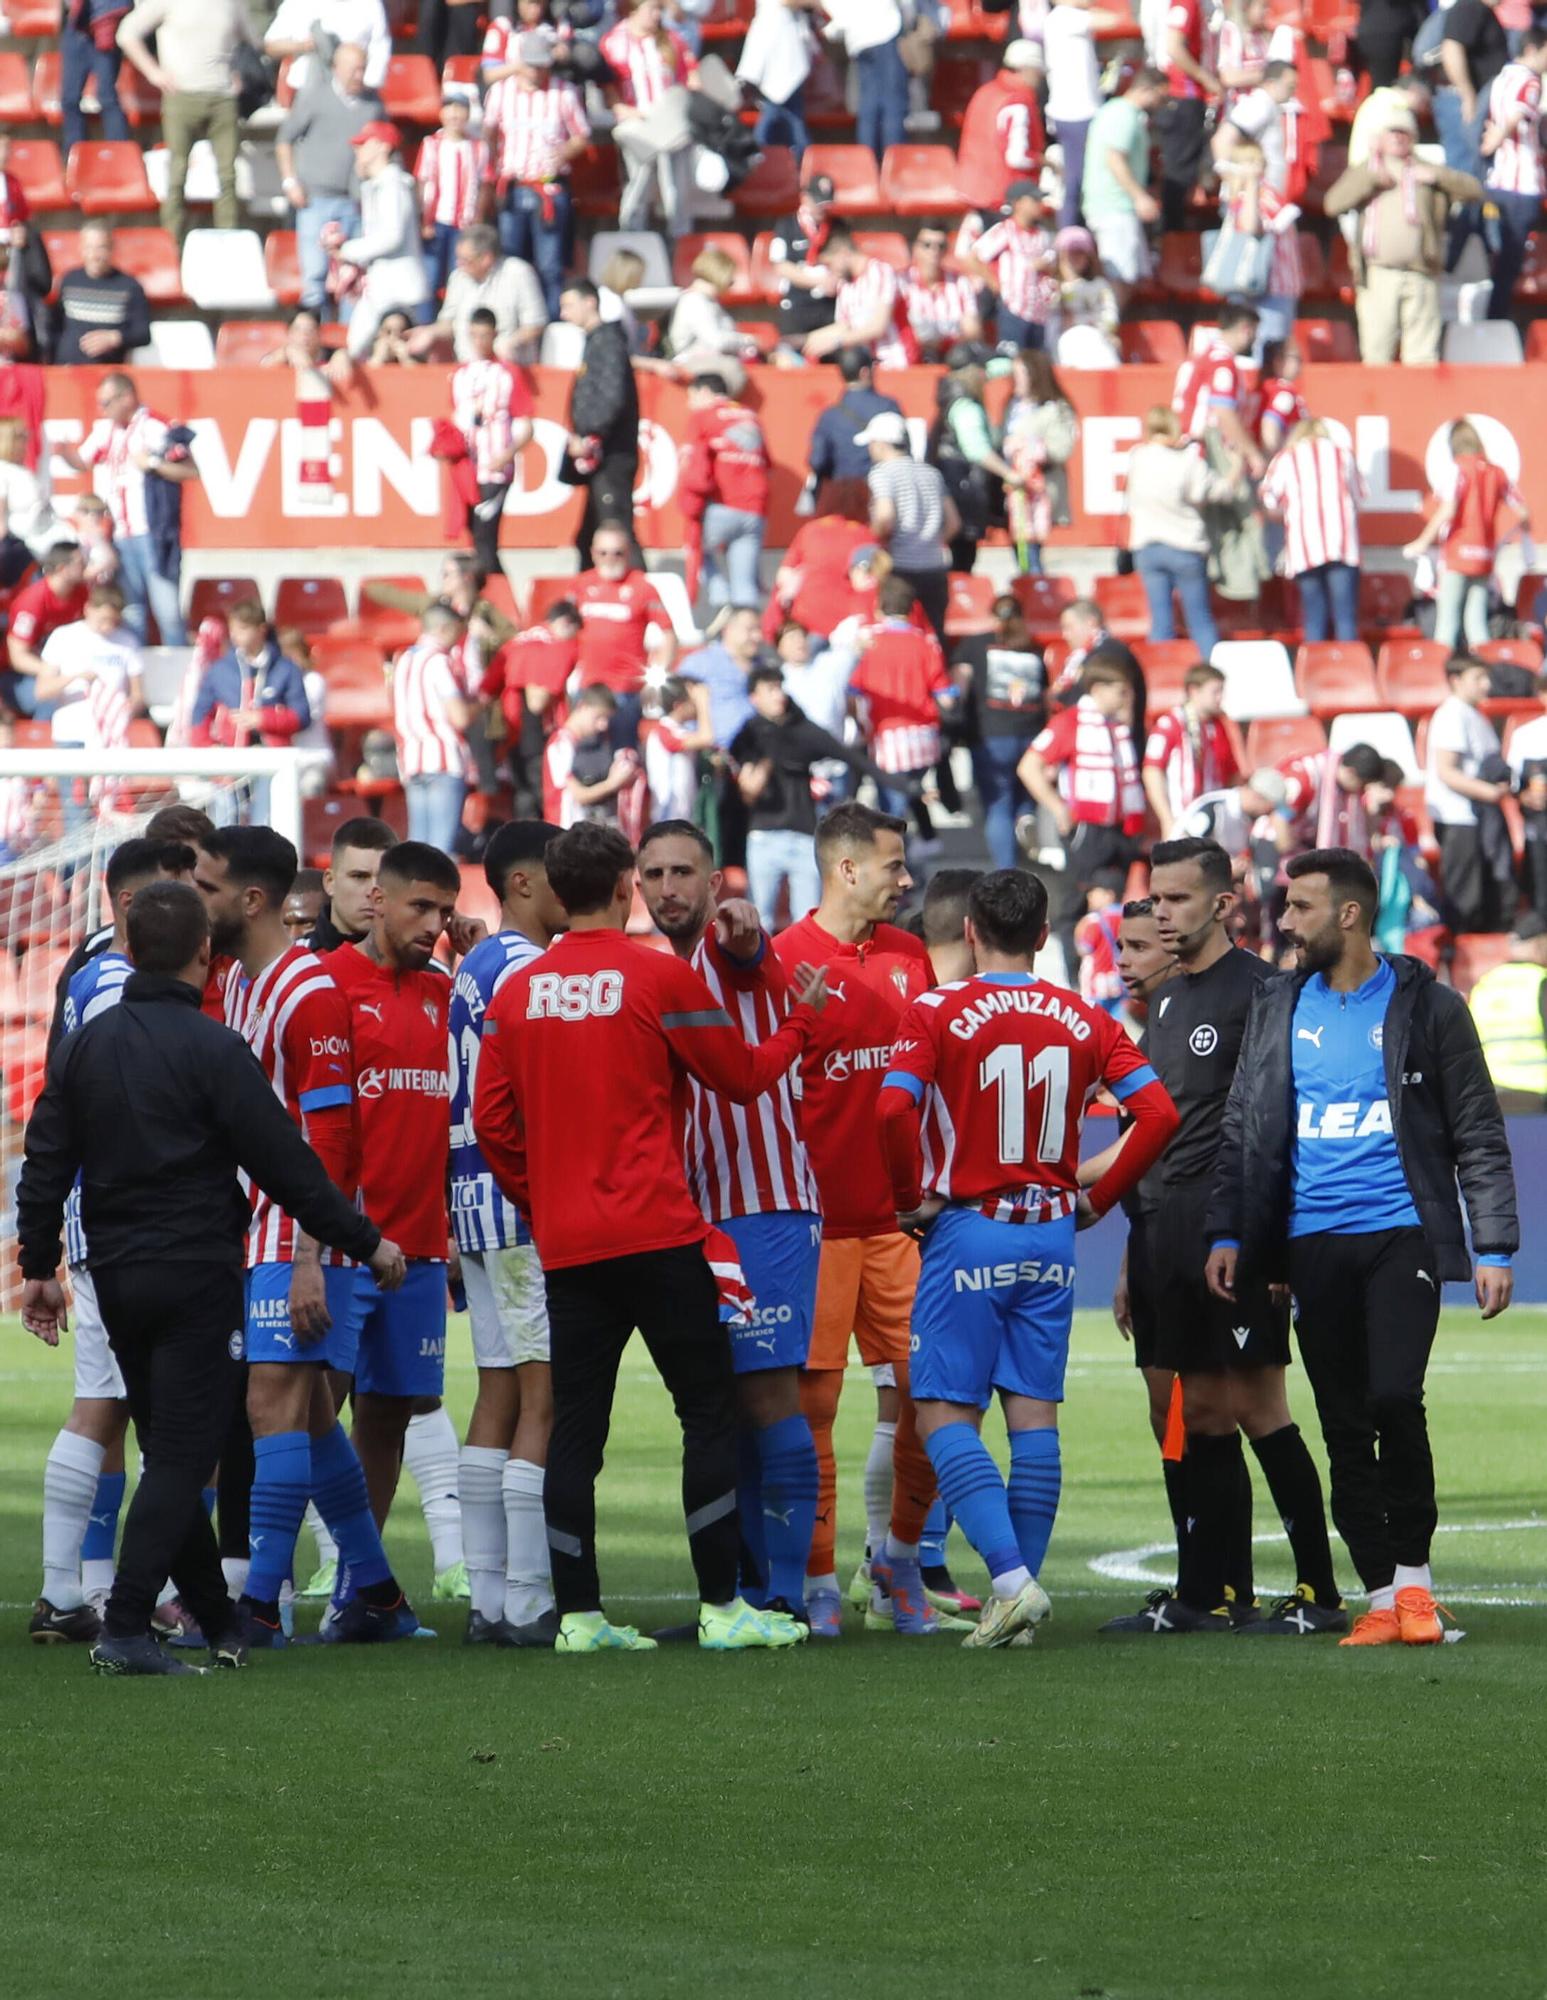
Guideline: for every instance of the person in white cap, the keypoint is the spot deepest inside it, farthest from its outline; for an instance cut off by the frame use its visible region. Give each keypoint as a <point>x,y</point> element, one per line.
<point>1073,84</point>
<point>388,248</point>
<point>911,515</point>
<point>1002,137</point>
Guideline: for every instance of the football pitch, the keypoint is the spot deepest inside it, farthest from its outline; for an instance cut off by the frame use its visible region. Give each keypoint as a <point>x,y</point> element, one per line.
<point>1135,1819</point>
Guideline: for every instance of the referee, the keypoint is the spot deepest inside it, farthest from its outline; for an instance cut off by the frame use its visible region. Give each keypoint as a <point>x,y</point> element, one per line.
<point>158,1106</point>
<point>1231,1357</point>
<point>1362,1098</point>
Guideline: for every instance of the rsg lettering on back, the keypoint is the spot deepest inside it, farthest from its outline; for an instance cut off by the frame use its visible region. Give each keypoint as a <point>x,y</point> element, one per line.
<point>573,996</point>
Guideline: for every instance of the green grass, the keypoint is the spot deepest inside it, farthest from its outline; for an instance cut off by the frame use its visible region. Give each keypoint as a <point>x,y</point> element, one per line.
<point>1089,1818</point>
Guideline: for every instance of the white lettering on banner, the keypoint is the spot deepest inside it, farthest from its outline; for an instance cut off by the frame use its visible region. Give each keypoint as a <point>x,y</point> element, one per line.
<point>1030,1271</point>
<point>59,430</point>
<point>1105,443</point>
<point>378,457</point>
<point>231,492</point>
<point>657,480</point>
<point>1343,1120</point>
<point>296,496</point>
<point>550,492</point>
<point>1372,455</point>
<point>573,997</point>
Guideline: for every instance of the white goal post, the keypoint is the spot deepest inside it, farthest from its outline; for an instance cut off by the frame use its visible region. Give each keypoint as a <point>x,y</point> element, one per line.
<point>282,769</point>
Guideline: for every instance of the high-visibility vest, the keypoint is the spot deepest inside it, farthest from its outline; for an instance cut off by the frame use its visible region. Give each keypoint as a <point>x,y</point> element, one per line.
<point>1507,1012</point>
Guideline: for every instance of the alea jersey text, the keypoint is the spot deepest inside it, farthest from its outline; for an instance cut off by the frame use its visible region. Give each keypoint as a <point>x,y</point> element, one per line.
<point>482,1218</point>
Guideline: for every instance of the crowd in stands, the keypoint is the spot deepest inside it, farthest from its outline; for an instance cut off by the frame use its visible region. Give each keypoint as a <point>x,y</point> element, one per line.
<point>437,176</point>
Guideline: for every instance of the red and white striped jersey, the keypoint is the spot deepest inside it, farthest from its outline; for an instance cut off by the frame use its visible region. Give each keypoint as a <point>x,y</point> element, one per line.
<point>296,1022</point>
<point>429,743</point>
<point>1516,166</point>
<point>110,450</point>
<point>1193,757</point>
<point>1098,769</point>
<point>900,673</point>
<point>877,290</point>
<point>450,173</point>
<point>747,1159</point>
<point>500,39</point>
<point>1021,261</point>
<point>486,399</point>
<point>529,127</point>
<point>1206,384</point>
<point>938,312</point>
<point>1285,277</point>
<point>1240,49</point>
<point>1315,485</point>
<point>1282,402</point>
<point>646,66</point>
<point>1325,815</point>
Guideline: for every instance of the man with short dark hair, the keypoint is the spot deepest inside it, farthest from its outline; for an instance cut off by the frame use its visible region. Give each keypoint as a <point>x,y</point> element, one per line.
<point>349,882</point>
<point>1360,1100</point>
<point>602,449</point>
<point>836,457</point>
<point>54,599</point>
<point>304,905</point>
<point>1465,781</point>
<point>943,923</point>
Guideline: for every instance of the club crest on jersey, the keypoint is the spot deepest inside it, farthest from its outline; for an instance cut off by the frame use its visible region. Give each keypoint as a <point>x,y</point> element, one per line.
<point>431,1011</point>
<point>900,980</point>
<point>1204,1039</point>
<point>1378,1036</point>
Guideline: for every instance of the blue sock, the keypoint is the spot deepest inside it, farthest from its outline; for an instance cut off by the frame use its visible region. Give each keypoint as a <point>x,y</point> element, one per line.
<point>1036,1479</point>
<point>281,1482</point>
<point>973,1488</point>
<point>338,1488</point>
<point>101,1534</point>
<point>749,1505</point>
<point>208,1497</point>
<point>788,1504</point>
<point>932,1541</point>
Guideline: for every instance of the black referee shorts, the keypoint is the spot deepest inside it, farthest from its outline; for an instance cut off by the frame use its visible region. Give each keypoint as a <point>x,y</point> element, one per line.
<point>1198,1334</point>
<point>1141,1291</point>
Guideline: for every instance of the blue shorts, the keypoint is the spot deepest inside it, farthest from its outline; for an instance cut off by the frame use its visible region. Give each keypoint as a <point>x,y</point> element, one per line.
<point>779,1256</point>
<point>269,1334</point>
<point>993,1310</point>
<point>403,1333</point>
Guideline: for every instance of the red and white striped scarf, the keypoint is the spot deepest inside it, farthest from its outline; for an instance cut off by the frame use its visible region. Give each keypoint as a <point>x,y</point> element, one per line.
<point>1407,185</point>
<point>313,409</point>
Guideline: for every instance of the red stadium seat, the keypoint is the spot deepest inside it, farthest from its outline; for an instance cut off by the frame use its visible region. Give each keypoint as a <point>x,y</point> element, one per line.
<point>920,180</point>
<point>1124,607</point>
<point>107,177</point>
<point>312,603</point>
<point>388,627</point>
<point>1272,739</point>
<point>855,177</point>
<point>37,165</point>
<point>358,696</point>
<point>827,109</point>
<point>765,286</point>
<point>411,91</point>
<point>543,592</point>
<point>687,248</point>
<point>771,189</point>
<point>1339,281</point>
<point>887,244</point>
<point>1410,674</point>
<point>282,266</point>
<point>151,256</point>
<point>1511,653</point>
<point>727,20</point>
<point>33,20</point>
<point>500,597</point>
<point>1536,340</point>
<point>213,597</point>
<point>970,605</point>
<point>242,343</point>
<point>1159,341</point>
<point>1042,600</point>
<point>762,332</point>
<point>1181,265</point>
<point>1164,661</point>
<point>463,69</point>
<point>1313,267</point>
<point>45,88</point>
<point>1327,340</point>
<point>64,253</point>
<point>1385,596</point>
<point>1335,676</point>
<point>957,80</point>
<point>15,90</point>
<point>969,23</point>
<point>593,183</point>
<point>141,100</point>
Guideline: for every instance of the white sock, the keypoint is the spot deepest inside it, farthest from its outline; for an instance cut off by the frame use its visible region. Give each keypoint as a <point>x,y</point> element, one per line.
<point>483,1526</point>
<point>327,1548</point>
<point>878,1485</point>
<point>828,1582</point>
<point>234,1569</point>
<point>901,1551</point>
<point>528,1585</point>
<point>1384,1600</point>
<point>430,1452</point>
<point>70,1474</point>
<point>1412,1576</point>
<point>97,1576</point>
<point>1012,1582</point>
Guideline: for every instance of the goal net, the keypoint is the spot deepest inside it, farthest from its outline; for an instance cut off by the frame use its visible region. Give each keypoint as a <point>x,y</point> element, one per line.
<point>62,813</point>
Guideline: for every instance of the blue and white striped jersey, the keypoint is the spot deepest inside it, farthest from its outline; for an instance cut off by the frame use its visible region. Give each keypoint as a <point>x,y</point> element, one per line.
<point>97,986</point>
<point>481,1217</point>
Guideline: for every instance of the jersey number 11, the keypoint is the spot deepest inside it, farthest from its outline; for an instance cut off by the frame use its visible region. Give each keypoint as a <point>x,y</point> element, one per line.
<point>1005,1070</point>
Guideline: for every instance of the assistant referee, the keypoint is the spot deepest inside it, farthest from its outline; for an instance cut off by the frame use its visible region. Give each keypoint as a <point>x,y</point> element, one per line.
<point>157,1107</point>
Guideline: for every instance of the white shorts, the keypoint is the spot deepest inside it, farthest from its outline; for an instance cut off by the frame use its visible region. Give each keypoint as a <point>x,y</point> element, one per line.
<point>96,1372</point>
<point>507,1303</point>
<point>1123,249</point>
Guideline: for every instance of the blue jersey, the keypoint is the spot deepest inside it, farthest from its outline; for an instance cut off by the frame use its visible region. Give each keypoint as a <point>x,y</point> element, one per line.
<point>97,986</point>
<point>1348,1176</point>
<point>481,1217</point>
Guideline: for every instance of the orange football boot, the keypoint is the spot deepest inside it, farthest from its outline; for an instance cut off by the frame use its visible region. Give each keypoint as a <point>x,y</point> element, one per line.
<point>1375,1628</point>
<point>1419,1617</point>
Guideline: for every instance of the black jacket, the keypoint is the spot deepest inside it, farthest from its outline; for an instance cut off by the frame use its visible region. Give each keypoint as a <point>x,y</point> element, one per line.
<point>158,1106</point>
<point>1444,1115</point>
<point>605,400</point>
<point>785,804</point>
<point>326,935</point>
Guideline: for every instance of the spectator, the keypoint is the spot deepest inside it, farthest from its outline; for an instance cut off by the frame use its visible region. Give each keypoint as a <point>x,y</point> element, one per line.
<point>1015,259</point>
<point>648,62</point>
<point>101,313</point>
<point>1528,773</point>
<point>1169,484</point>
<point>839,463</point>
<point>1190,751</point>
<point>1209,398</point>
<point>1257,116</point>
<point>1254,208</point>
<point>450,173</point>
<point>1069,29</point>
<point>142,461</point>
<point>491,406</point>
<point>26,275</point>
<point>719,673</point>
<point>1085,320</point>
<point>393,346</point>
<point>1385,104</point>
<point>1184,121</point>
<point>1040,433</point>
<point>1509,1011</point>
<point>584,769</point>
<point>942,306</point>
<point>961,448</point>
<point>814,583</point>
<point>531,17</point>
<point>1386,28</point>
<point>1002,139</point>
<point>701,334</point>
<point>816,680</point>
<point>1464,802</point>
<point>27,523</point>
<point>88,47</point>
<point>1279,404</point>
<point>1230,815</point>
<point>1512,147</point>
<point>386,248</point>
<point>1324,800</point>
<point>1400,252</point>
<point>775,749</point>
<point>868,310</point>
<point>91,678</point>
<point>1002,678</point>
<point>315,152</point>
<point>1115,190</point>
<point>913,516</point>
<point>1083,632</point>
<point>903,690</point>
<point>253,694</point>
<point>795,259</point>
<point>1244,46</point>
<point>196,44</point>
<point>294,32</point>
<point>618,606</point>
<point>431,715</point>
<point>450,29</point>
<point>1474,50</point>
<point>776,60</point>
<point>623,271</point>
<point>507,286</point>
<point>93,527</point>
<point>1314,486</point>
<point>1480,507</point>
<point>671,753</point>
<point>602,449</point>
<point>529,677</point>
<point>870,32</point>
<point>725,489</point>
<point>539,127</point>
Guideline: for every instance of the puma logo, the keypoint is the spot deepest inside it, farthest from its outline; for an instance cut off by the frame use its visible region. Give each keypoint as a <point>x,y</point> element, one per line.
<point>373,1011</point>
<point>1311,1035</point>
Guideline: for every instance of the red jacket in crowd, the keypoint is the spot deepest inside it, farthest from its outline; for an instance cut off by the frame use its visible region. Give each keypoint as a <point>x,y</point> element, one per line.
<point>725,459</point>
